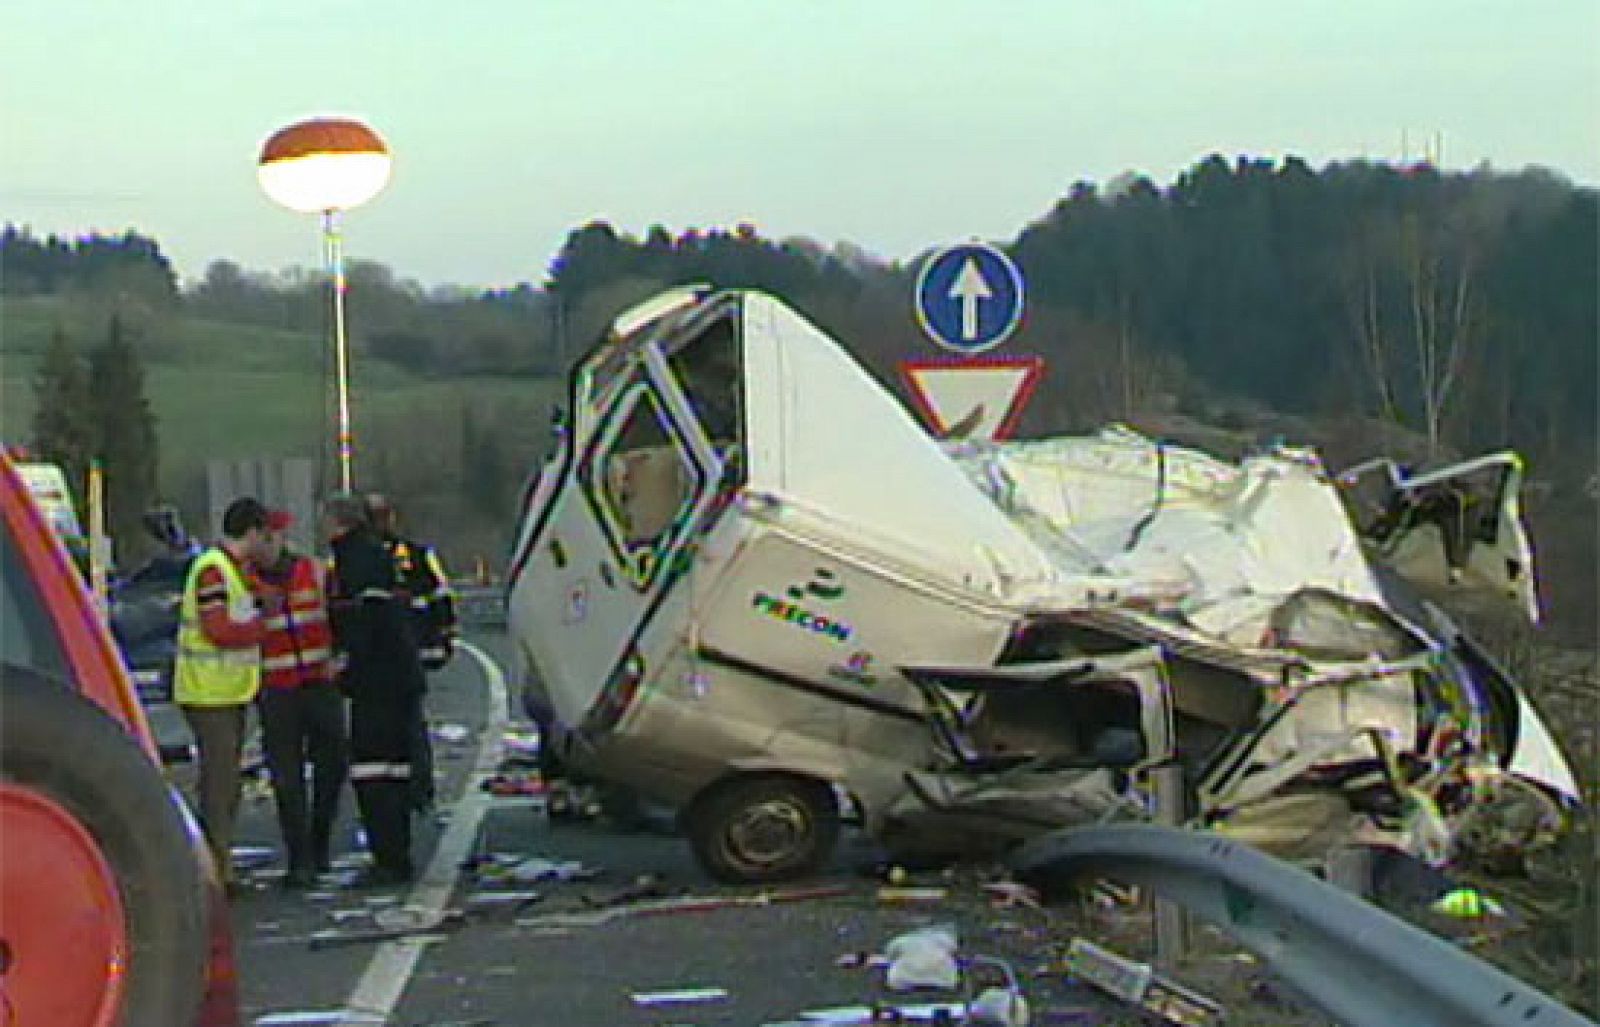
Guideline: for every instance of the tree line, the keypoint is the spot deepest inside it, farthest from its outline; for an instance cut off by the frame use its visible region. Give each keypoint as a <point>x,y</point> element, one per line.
<point>1361,307</point>
<point>1460,307</point>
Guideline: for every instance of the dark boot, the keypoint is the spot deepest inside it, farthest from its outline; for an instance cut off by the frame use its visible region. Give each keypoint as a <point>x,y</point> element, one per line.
<point>386,812</point>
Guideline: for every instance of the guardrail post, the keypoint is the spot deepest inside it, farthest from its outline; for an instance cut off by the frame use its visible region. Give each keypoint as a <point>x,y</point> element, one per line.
<point>1172,921</point>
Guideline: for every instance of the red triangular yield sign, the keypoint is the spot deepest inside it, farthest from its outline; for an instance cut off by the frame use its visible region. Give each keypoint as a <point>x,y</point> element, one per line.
<point>974,397</point>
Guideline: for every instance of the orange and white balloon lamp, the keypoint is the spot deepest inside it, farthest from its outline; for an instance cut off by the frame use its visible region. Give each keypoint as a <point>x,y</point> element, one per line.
<point>326,166</point>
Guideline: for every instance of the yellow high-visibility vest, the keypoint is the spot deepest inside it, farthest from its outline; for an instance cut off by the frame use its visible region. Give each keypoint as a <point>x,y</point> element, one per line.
<point>206,674</point>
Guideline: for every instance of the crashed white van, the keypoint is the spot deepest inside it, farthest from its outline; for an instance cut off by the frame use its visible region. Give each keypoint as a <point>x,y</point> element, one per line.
<point>747,583</point>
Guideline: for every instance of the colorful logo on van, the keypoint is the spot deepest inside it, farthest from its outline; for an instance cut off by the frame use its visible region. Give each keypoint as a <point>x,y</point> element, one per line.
<point>800,617</point>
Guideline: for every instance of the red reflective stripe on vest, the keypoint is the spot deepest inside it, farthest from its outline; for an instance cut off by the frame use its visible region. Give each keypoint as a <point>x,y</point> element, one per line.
<point>298,647</point>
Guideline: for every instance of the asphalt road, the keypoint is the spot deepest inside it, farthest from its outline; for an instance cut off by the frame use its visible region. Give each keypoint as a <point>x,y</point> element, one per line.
<point>556,960</point>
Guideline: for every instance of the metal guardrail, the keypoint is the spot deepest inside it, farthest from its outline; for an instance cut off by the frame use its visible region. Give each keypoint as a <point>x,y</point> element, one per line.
<point>1358,964</point>
<point>481,606</point>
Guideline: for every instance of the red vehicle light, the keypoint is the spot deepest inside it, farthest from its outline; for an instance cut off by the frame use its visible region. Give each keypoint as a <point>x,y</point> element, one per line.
<point>618,694</point>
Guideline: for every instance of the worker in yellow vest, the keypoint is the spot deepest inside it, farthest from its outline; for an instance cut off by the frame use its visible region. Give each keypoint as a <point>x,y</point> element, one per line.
<point>218,668</point>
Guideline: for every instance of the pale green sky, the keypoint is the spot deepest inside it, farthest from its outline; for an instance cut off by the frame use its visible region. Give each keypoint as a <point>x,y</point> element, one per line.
<point>895,124</point>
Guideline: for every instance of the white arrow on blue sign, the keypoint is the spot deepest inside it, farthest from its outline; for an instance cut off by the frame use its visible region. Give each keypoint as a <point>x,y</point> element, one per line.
<point>969,297</point>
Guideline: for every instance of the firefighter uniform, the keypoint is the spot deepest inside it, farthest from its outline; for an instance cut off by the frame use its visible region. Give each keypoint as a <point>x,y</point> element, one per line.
<point>425,588</point>
<point>384,681</point>
<point>302,713</point>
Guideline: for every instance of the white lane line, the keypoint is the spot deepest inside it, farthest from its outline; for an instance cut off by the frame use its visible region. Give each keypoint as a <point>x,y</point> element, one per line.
<point>391,967</point>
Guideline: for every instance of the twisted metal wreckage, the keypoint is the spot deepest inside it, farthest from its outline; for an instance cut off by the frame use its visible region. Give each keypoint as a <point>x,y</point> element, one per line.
<point>749,584</point>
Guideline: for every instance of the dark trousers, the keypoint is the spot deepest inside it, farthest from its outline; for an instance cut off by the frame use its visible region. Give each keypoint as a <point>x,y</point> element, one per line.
<point>300,725</point>
<point>422,783</point>
<point>219,735</point>
<point>382,733</point>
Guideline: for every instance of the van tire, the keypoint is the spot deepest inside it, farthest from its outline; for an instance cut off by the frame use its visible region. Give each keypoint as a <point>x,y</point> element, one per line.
<point>63,750</point>
<point>761,829</point>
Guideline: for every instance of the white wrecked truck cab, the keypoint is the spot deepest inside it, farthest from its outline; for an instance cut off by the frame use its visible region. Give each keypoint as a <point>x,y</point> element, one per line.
<point>750,585</point>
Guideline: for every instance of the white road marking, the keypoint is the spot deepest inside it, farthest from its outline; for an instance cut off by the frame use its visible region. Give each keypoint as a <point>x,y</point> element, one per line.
<point>391,967</point>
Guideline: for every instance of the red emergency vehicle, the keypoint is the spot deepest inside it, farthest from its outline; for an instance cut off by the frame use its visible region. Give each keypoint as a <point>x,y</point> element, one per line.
<point>110,910</point>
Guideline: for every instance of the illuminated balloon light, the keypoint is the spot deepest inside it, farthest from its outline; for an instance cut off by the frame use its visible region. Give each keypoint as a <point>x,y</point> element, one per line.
<point>324,164</point>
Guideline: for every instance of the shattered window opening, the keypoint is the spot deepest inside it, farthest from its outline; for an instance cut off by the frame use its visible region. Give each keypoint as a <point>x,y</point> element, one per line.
<point>641,482</point>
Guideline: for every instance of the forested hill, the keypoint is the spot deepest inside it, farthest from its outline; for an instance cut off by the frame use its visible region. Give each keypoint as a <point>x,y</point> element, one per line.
<point>1461,306</point>
<point>1358,307</point>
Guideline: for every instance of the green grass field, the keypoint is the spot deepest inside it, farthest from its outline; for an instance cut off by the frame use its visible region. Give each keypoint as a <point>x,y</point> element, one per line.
<point>233,391</point>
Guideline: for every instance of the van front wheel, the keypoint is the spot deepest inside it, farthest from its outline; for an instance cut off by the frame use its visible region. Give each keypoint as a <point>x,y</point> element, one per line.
<point>759,830</point>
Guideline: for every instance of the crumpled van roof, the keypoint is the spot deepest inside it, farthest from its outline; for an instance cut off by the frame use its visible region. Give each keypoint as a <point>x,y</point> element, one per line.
<point>824,436</point>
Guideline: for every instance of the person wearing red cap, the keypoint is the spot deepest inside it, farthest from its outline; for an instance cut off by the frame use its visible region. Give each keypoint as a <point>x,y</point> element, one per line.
<point>217,671</point>
<point>302,712</point>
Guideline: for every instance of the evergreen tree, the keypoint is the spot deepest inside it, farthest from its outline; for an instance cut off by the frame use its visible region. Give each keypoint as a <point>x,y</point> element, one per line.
<point>126,429</point>
<point>63,418</point>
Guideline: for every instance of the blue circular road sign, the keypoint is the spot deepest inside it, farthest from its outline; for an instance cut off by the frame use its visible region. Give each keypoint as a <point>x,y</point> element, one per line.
<point>969,297</point>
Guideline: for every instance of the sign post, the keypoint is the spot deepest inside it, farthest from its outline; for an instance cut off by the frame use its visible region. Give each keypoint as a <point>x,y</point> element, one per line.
<point>968,300</point>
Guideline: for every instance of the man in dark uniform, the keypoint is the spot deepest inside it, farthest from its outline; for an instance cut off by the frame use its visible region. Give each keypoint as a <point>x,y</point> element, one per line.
<point>425,589</point>
<point>383,679</point>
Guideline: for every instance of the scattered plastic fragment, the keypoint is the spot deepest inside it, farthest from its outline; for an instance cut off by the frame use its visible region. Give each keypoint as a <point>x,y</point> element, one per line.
<point>251,857</point>
<point>679,997</point>
<point>417,925</point>
<point>613,909</point>
<point>484,900</point>
<point>1467,904</point>
<point>1008,894</point>
<point>912,894</point>
<point>924,958</point>
<point>307,1018</point>
<point>928,1012</point>
<point>520,784</point>
<point>452,733</point>
<point>1000,1004</point>
<point>519,744</point>
<point>535,869</point>
<point>998,1007</point>
<point>1139,985</point>
<point>408,918</point>
<point>855,960</point>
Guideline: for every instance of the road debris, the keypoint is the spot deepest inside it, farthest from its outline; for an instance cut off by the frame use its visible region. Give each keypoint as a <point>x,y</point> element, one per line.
<point>679,997</point>
<point>924,958</point>
<point>252,857</point>
<point>408,922</point>
<point>671,905</point>
<point>912,895</point>
<point>484,901</point>
<point>521,745</point>
<point>452,734</point>
<point>1012,894</point>
<point>1140,986</point>
<point>312,1017</point>
<point>515,783</point>
<point>925,1012</point>
<point>535,869</point>
<point>1467,904</point>
<point>856,960</point>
